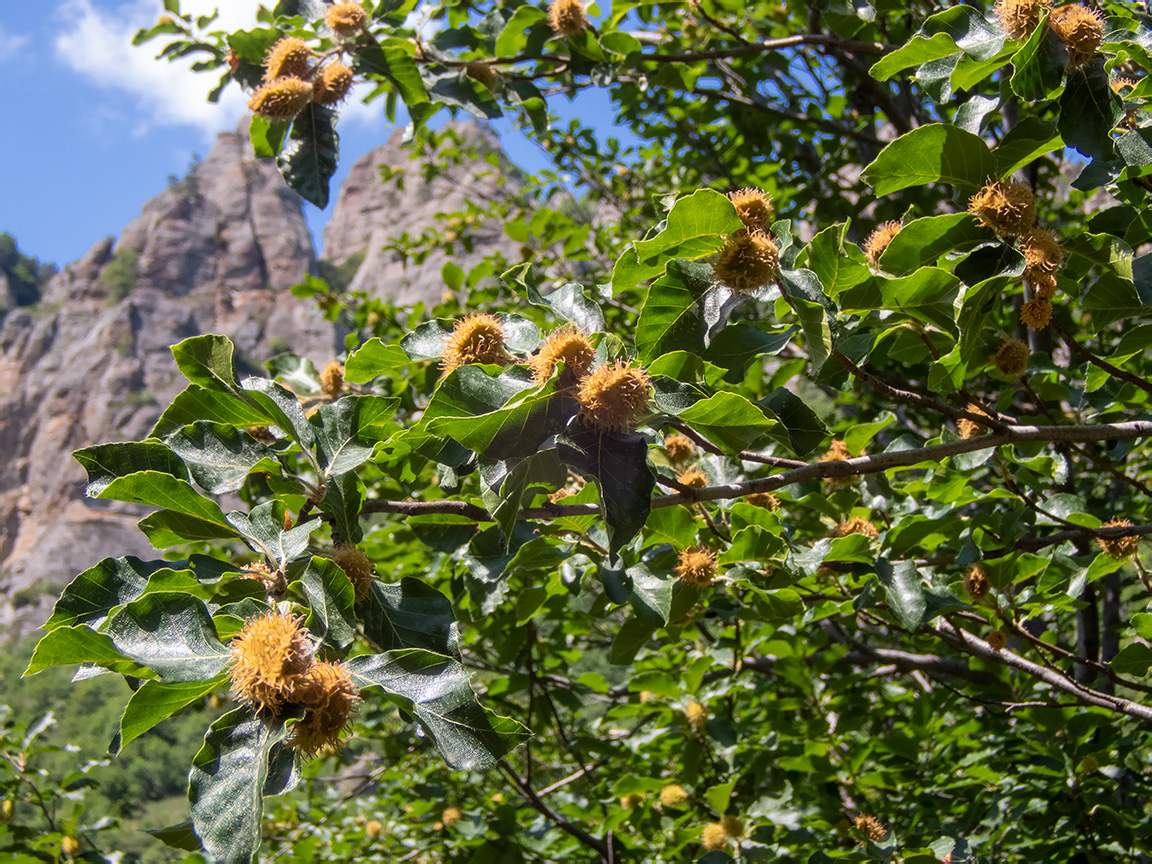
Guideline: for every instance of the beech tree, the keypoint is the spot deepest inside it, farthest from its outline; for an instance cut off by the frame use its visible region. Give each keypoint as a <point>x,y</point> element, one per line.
<point>783,501</point>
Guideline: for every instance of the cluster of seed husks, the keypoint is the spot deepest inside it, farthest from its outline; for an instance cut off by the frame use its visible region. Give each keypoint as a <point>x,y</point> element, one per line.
<point>273,667</point>
<point>293,77</point>
<point>1080,28</point>
<point>750,258</point>
<point>1008,207</point>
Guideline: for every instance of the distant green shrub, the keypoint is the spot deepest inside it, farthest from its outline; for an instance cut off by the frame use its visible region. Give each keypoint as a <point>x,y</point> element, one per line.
<point>119,275</point>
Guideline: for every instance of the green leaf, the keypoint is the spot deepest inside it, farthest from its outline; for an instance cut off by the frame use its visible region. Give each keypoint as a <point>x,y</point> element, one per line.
<point>923,241</point>
<point>374,359</point>
<point>267,138</point>
<point>928,295</point>
<point>937,153</point>
<point>343,500</point>
<point>1134,659</point>
<point>106,462</point>
<point>324,588</point>
<point>242,760</point>
<point>98,590</point>
<point>456,88</point>
<point>165,491</point>
<point>739,344</point>
<point>438,691</point>
<point>1025,142</point>
<point>1038,67</point>
<point>837,263</point>
<point>197,403</point>
<point>280,406</point>
<point>905,591</point>
<point>156,701</point>
<point>172,634</point>
<point>569,302</point>
<point>180,836</point>
<point>503,483</point>
<point>1089,111</point>
<point>514,38</point>
<point>410,614</point>
<point>310,156</point>
<point>861,434</point>
<point>696,227</point>
<point>218,455</point>
<point>732,422</point>
<point>349,429</point>
<point>207,361</point>
<point>618,462</point>
<point>672,318</point>
<point>1101,250</point>
<point>68,646</point>
<point>806,431</point>
<point>390,59</point>
<point>165,528</point>
<point>516,429</point>
<point>961,28</point>
<point>263,529</point>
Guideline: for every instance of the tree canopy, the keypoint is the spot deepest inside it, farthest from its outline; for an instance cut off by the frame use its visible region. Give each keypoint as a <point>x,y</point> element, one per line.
<point>783,501</point>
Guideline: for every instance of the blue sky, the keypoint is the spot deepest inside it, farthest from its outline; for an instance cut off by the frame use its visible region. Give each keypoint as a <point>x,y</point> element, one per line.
<point>96,126</point>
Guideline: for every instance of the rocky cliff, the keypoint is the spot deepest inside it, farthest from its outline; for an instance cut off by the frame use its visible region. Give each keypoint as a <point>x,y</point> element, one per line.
<point>214,253</point>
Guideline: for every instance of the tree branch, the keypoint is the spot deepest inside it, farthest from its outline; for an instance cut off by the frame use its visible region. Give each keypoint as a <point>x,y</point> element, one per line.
<point>1096,361</point>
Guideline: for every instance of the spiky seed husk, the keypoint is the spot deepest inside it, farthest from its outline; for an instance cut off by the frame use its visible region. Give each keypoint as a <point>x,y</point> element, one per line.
<point>332,378</point>
<point>272,580</point>
<point>357,566</point>
<point>628,802</point>
<point>567,18</point>
<point>754,208</point>
<point>1036,314</point>
<point>613,397</point>
<point>281,100</point>
<point>693,478</point>
<point>482,73</point>
<point>1043,256</point>
<point>680,448</point>
<point>451,816</point>
<point>733,826</point>
<point>697,566</point>
<point>976,584</point>
<point>696,715</point>
<point>878,241</point>
<point>713,836</point>
<point>268,655</point>
<point>287,58</point>
<point>476,338</point>
<point>1081,29</point>
<point>1120,83</point>
<point>70,846</point>
<point>574,485</point>
<point>836,452</point>
<point>1006,206</point>
<point>569,345</point>
<point>1019,18</point>
<point>346,19</point>
<point>333,84</point>
<point>673,795</point>
<point>1011,358</point>
<point>870,827</point>
<point>747,261</point>
<point>997,640</point>
<point>1119,548</point>
<point>857,525</point>
<point>372,829</point>
<point>970,428</point>
<point>262,434</point>
<point>330,696</point>
<point>763,499</point>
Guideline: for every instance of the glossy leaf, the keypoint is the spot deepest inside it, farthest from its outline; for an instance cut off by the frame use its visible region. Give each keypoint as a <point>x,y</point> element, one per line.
<point>309,157</point>
<point>98,590</point>
<point>230,776</point>
<point>374,359</point>
<point>325,589</point>
<point>172,634</point>
<point>106,462</point>
<point>441,698</point>
<point>696,227</point>
<point>218,455</point>
<point>672,318</point>
<point>937,153</point>
<point>410,614</point>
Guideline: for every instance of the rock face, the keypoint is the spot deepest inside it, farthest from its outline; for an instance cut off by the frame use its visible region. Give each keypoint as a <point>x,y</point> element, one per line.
<point>90,363</point>
<point>213,253</point>
<point>369,213</point>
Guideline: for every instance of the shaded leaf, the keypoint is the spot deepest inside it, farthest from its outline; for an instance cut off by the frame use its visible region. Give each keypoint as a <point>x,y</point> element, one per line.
<point>156,701</point>
<point>106,462</point>
<point>218,455</point>
<point>172,634</point>
<point>309,157</point>
<point>410,614</point>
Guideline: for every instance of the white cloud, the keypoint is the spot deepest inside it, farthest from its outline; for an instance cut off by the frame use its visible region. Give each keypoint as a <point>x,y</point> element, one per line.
<point>10,44</point>
<point>97,43</point>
